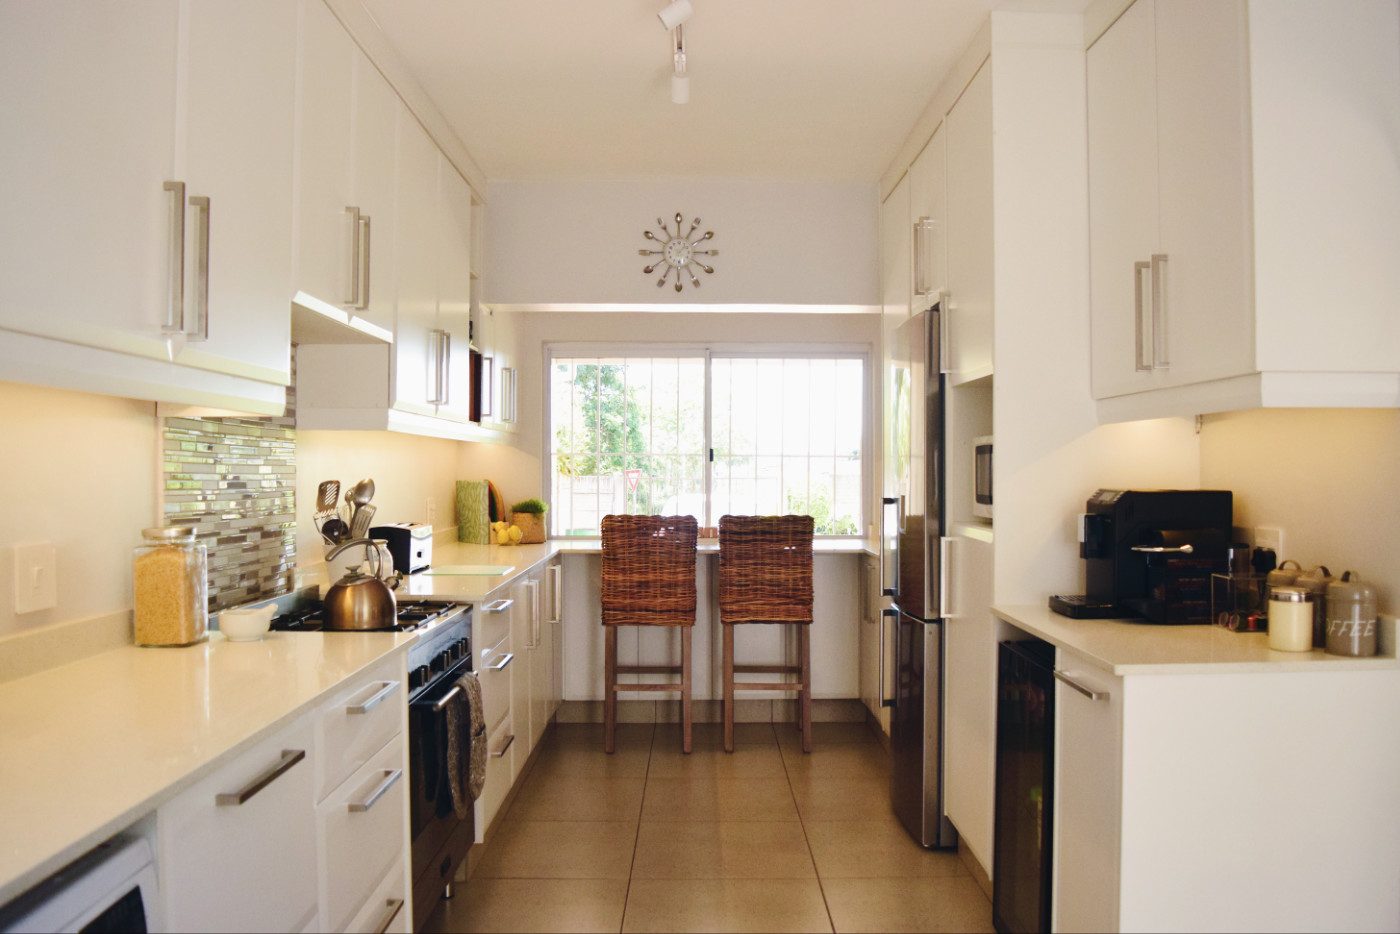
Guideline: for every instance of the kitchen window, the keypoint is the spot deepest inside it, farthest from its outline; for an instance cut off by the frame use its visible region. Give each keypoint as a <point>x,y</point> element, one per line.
<point>706,433</point>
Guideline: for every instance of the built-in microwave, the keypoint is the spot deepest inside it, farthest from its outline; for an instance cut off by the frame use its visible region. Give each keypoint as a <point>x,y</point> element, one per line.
<point>982,477</point>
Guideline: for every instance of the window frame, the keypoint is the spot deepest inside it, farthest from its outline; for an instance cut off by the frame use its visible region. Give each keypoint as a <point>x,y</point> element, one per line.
<point>709,352</point>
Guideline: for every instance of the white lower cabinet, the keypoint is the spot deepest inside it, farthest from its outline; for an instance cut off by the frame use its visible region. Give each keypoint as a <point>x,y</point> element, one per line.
<point>871,641</point>
<point>237,850</point>
<point>386,911</point>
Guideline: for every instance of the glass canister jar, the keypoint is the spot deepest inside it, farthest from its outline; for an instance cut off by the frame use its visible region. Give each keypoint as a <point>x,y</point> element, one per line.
<point>170,579</point>
<point>1351,617</point>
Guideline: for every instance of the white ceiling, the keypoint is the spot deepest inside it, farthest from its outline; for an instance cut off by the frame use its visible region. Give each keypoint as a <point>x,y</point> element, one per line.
<point>810,89</point>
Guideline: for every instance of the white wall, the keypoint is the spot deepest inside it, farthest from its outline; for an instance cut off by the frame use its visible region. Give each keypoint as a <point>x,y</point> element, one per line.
<point>780,242</point>
<point>1328,478</point>
<point>79,471</point>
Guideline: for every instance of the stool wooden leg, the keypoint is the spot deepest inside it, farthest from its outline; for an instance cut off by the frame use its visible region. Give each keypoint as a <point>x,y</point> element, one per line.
<point>804,647</point>
<point>685,687</point>
<point>728,702</point>
<point>609,689</point>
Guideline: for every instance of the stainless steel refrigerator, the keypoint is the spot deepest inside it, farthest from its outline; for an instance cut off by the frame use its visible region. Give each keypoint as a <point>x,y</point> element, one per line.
<point>912,521</point>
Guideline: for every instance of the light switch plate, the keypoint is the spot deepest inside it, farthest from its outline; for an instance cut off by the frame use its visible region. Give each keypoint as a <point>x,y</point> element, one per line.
<point>36,577</point>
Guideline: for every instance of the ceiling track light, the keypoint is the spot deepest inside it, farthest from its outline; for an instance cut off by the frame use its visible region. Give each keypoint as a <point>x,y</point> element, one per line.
<point>676,13</point>
<point>680,81</point>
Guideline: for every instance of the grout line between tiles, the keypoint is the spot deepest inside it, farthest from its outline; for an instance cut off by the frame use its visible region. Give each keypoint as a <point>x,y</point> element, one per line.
<point>802,821</point>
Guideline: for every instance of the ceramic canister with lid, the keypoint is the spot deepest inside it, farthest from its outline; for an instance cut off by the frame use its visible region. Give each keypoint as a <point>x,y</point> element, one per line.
<point>1281,576</point>
<point>1290,619</point>
<point>1351,617</point>
<point>1315,582</point>
<point>170,582</point>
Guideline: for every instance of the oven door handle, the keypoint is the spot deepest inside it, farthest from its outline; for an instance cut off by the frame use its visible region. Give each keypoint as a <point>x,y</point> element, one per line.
<point>446,699</point>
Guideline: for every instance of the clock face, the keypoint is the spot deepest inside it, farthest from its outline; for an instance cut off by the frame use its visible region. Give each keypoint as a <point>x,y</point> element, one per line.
<point>678,252</point>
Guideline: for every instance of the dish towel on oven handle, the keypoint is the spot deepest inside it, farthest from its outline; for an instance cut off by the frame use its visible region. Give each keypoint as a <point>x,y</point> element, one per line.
<point>466,745</point>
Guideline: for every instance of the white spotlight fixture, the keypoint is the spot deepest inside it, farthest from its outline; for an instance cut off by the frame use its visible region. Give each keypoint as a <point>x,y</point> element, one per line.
<point>680,81</point>
<point>676,13</point>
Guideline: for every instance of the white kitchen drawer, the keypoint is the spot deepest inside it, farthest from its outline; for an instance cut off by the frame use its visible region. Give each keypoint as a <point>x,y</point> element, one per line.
<point>358,721</point>
<point>490,626</point>
<point>361,833</point>
<point>498,777</point>
<point>494,672</point>
<point>248,866</point>
<point>387,910</point>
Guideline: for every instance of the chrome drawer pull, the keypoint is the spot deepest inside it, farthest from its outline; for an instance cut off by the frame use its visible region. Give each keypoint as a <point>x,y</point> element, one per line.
<point>390,776</point>
<point>1092,695</point>
<point>501,753</point>
<point>175,288</point>
<point>389,688</point>
<point>498,606</point>
<point>290,757</point>
<point>446,699</point>
<point>395,905</point>
<point>506,659</point>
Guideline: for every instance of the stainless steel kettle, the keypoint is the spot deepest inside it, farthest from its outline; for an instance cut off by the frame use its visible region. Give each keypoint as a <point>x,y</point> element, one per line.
<point>359,601</point>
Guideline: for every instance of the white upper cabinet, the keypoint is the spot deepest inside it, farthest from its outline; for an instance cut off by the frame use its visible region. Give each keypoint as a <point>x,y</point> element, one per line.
<point>970,247</point>
<point>1244,206</point>
<point>928,208</point>
<point>455,292</point>
<point>417,370</point>
<point>147,177</point>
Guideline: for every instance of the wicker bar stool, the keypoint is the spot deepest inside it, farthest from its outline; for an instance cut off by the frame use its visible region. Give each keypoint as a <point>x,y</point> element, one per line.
<point>765,576</point>
<point>648,580</point>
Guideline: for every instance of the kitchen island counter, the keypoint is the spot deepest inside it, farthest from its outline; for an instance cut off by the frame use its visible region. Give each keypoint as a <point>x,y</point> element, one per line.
<point>89,748</point>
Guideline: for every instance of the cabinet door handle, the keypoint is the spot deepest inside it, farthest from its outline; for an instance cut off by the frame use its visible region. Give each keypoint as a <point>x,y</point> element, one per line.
<point>498,606</point>
<point>556,571</point>
<point>535,612</point>
<point>388,688</point>
<point>1140,361</point>
<point>353,282</point>
<point>392,908</point>
<point>919,287</point>
<point>200,331</point>
<point>290,757</point>
<point>499,753</point>
<point>505,660</point>
<point>363,262</point>
<point>1087,692</point>
<point>945,332</point>
<point>1159,312</point>
<point>390,776</point>
<point>175,286</point>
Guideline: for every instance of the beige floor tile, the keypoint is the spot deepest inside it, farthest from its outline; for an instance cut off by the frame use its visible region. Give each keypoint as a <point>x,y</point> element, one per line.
<point>932,905</point>
<point>853,797</point>
<point>712,734</point>
<point>826,734</point>
<point>692,799</point>
<point>722,850</point>
<point>851,760</point>
<point>560,850</point>
<point>749,760</point>
<point>591,734</point>
<point>879,849</point>
<point>546,798</point>
<point>509,905</point>
<point>725,905</point>
<point>569,761</point>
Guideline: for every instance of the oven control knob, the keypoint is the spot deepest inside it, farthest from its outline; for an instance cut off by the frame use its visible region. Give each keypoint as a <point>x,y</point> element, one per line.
<point>440,661</point>
<point>461,648</point>
<point>419,676</point>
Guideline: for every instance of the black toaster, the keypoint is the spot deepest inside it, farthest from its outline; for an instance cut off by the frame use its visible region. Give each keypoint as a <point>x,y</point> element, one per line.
<point>410,544</point>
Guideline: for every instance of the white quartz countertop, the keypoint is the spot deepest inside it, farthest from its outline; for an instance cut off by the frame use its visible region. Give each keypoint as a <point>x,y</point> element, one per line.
<point>1127,647</point>
<point>439,583</point>
<point>88,748</point>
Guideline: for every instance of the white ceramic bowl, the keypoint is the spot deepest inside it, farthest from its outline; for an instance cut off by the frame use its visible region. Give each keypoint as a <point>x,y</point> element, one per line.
<point>246,624</point>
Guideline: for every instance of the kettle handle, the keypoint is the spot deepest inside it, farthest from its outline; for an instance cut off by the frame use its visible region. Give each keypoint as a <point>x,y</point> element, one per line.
<point>369,546</point>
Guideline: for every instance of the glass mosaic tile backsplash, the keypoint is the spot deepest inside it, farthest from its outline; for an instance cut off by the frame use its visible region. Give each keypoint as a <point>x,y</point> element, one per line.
<point>234,481</point>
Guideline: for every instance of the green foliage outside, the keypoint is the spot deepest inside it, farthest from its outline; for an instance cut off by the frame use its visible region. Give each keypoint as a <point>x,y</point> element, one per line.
<point>818,506</point>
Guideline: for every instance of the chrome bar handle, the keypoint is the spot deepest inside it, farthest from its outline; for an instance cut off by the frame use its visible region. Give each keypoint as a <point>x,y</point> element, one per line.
<point>290,757</point>
<point>444,366</point>
<point>1087,692</point>
<point>200,330</point>
<point>390,776</point>
<point>889,574</point>
<point>392,906</point>
<point>374,701</point>
<point>353,281</point>
<point>436,338</point>
<point>498,606</point>
<point>175,287</point>
<point>497,754</point>
<point>1164,550</point>
<point>1159,312</point>
<point>1140,362</point>
<point>945,561</point>
<point>363,261</point>
<point>919,287</point>
<point>505,660</point>
<point>446,699</point>
<point>885,699</point>
<point>533,589</point>
<point>557,572</point>
<point>945,332</point>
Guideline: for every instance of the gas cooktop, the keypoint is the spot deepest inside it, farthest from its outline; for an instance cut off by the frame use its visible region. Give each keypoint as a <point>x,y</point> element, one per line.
<point>411,616</point>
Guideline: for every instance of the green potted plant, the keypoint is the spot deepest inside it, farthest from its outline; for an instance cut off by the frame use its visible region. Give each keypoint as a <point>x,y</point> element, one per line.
<point>528,516</point>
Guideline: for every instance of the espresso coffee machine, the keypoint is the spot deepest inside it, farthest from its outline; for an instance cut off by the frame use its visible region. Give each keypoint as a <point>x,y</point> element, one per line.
<point>1150,554</point>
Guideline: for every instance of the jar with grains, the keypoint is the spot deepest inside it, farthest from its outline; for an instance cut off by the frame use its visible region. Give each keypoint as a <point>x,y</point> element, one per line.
<point>170,574</point>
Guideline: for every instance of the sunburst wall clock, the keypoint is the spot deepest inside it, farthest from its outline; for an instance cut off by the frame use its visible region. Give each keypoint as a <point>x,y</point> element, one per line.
<point>678,253</point>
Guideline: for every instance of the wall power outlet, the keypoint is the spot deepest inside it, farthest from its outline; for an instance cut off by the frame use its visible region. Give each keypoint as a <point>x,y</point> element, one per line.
<point>1266,537</point>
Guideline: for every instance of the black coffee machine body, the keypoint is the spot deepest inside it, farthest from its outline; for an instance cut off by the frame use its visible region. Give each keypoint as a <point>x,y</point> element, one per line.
<point>1151,553</point>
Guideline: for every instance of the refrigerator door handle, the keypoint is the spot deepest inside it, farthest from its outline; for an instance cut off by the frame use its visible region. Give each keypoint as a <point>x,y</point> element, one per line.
<point>889,566</point>
<point>885,615</point>
<point>945,561</point>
